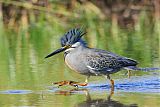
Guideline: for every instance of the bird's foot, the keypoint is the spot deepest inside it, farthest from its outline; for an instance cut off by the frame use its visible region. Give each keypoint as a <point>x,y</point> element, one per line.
<point>66,82</point>
<point>71,83</point>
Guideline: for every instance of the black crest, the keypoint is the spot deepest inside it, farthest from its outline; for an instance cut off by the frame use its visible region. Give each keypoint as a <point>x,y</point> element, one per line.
<point>72,36</point>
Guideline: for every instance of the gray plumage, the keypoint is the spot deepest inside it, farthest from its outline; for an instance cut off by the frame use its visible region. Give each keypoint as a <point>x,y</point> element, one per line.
<point>91,61</point>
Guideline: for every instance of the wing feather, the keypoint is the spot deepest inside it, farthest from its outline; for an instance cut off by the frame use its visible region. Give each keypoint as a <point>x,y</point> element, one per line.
<point>100,60</point>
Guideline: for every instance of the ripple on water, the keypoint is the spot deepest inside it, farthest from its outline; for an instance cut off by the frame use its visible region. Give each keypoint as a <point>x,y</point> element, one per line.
<point>143,84</point>
<point>16,92</point>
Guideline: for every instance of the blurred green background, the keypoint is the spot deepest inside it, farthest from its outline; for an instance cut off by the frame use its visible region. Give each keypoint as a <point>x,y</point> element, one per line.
<point>30,29</point>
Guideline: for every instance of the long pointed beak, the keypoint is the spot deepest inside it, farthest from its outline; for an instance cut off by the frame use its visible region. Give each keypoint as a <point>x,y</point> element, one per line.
<point>56,51</point>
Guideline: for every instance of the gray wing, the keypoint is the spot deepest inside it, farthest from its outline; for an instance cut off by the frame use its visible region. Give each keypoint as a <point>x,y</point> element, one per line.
<point>106,62</point>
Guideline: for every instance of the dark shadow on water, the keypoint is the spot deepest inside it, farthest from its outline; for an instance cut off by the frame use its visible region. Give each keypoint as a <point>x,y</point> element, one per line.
<point>89,102</point>
<point>108,102</point>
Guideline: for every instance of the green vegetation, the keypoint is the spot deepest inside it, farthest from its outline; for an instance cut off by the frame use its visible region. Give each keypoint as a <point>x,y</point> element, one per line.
<point>37,32</point>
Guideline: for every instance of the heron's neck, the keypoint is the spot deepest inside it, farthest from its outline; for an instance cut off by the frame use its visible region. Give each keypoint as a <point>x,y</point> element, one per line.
<point>78,49</point>
<point>67,51</point>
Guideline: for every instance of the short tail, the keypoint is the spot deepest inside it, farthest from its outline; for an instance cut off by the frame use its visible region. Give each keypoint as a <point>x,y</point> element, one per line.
<point>142,69</point>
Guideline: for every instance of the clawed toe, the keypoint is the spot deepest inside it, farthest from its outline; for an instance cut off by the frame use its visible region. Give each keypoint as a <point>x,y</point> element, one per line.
<point>83,84</point>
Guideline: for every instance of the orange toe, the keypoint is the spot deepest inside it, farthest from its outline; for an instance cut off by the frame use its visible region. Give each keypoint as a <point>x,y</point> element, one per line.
<point>83,84</point>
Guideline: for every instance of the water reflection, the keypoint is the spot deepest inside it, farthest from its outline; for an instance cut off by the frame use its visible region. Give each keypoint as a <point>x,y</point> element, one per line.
<point>99,102</point>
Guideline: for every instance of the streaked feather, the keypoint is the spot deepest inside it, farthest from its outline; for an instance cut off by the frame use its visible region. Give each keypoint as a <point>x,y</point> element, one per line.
<point>72,36</point>
<point>104,61</point>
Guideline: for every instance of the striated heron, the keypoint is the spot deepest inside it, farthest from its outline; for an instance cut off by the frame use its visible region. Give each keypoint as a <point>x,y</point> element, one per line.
<point>90,61</point>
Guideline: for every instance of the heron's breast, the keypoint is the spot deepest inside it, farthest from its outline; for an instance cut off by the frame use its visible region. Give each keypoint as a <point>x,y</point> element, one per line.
<point>76,64</point>
<point>70,64</point>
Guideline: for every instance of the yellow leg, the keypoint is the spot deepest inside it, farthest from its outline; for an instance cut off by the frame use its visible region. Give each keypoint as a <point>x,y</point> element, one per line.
<point>129,73</point>
<point>112,84</point>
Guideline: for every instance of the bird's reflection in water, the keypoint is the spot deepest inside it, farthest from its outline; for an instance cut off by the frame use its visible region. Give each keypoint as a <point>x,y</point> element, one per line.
<point>108,102</point>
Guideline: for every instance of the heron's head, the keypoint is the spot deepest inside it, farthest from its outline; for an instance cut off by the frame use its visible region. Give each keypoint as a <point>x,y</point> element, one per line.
<point>70,40</point>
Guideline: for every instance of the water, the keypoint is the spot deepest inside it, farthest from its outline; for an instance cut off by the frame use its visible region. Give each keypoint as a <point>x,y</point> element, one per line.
<point>26,79</point>
<point>134,92</point>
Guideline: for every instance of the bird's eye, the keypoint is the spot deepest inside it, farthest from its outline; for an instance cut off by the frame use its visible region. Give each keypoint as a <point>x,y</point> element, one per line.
<point>68,46</point>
